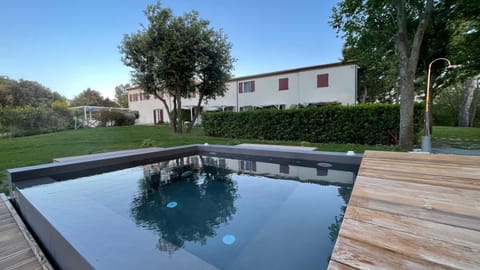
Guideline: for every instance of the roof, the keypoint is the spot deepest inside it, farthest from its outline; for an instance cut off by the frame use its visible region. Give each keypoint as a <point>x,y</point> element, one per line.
<point>286,71</point>
<point>280,72</point>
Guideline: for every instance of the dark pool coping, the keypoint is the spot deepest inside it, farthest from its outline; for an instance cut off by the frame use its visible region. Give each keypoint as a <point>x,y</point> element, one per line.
<point>65,255</point>
<point>102,163</point>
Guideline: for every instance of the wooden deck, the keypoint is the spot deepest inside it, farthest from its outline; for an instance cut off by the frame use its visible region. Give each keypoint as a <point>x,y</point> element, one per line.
<point>18,249</point>
<point>412,211</point>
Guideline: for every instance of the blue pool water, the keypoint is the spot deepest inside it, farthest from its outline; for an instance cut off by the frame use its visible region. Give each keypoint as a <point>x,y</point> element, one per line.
<point>200,213</point>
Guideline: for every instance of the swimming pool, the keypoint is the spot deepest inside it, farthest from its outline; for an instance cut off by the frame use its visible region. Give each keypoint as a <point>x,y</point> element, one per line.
<point>201,207</point>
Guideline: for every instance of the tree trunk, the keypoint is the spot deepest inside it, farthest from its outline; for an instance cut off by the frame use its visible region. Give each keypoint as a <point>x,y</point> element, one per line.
<point>364,96</point>
<point>464,114</point>
<point>195,114</point>
<point>179,113</point>
<point>173,116</point>
<point>407,67</point>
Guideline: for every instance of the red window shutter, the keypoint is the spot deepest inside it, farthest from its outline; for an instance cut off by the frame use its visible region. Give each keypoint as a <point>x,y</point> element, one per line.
<point>253,86</point>
<point>322,171</point>
<point>240,87</point>
<point>283,84</point>
<point>322,80</point>
<point>284,168</point>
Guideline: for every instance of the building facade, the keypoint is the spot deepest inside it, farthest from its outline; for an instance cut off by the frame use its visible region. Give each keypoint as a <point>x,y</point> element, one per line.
<point>322,84</point>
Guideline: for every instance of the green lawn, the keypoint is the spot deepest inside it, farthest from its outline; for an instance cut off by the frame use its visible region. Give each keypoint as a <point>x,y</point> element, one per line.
<point>34,150</point>
<point>456,137</point>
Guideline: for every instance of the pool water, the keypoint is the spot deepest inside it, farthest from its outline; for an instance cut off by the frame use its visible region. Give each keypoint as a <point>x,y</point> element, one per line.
<point>200,212</point>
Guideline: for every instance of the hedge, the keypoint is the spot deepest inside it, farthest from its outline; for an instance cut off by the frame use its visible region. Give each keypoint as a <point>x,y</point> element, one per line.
<point>361,124</point>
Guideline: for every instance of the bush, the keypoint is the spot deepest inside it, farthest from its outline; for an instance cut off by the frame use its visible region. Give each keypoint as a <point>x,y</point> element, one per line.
<point>361,124</point>
<point>116,118</point>
<point>28,120</point>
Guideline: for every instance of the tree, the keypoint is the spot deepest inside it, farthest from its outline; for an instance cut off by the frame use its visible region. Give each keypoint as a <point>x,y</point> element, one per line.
<point>403,23</point>
<point>121,94</point>
<point>25,93</point>
<point>176,56</point>
<point>464,47</point>
<point>88,97</point>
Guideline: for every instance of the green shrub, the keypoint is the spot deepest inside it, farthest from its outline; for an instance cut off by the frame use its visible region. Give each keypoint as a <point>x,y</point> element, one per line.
<point>116,118</point>
<point>361,124</point>
<point>28,120</point>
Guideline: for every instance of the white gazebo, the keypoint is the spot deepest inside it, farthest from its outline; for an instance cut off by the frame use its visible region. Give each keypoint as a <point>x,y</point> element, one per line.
<point>88,120</point>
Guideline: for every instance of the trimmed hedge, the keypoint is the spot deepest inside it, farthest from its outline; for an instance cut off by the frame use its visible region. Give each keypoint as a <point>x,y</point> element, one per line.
<point>361,124</point>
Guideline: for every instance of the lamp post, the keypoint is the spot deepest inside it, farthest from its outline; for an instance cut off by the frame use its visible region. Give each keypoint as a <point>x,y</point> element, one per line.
<point>426,139</point>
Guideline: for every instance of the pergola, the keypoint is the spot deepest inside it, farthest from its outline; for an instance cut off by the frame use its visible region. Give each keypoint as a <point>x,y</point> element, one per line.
<point>88,120</point>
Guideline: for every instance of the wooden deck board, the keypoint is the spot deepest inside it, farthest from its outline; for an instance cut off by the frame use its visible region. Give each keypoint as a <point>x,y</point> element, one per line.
<point>18,249</point>
<point>412,211</point>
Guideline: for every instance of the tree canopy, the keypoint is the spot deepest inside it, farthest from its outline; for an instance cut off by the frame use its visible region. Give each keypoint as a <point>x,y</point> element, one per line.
<point>15,93</point>
<point>175,56</point>
<point>90,97</point>
<point>121,95</point>
<point>386,39</point>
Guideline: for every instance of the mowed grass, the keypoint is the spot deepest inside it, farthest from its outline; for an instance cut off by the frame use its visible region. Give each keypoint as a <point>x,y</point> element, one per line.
<point>456,137</point>
<point>40,149</point>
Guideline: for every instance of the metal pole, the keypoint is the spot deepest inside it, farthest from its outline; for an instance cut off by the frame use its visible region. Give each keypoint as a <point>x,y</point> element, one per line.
<point>426,139</point>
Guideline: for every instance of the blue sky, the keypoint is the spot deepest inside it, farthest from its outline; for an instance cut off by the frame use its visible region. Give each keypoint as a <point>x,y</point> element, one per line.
<point>69,46</point>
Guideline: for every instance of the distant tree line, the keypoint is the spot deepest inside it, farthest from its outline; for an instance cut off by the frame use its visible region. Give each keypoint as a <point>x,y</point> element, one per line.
<point>28,107</point>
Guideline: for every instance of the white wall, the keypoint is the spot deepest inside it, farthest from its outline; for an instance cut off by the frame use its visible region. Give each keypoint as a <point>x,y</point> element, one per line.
<point>302,89</point>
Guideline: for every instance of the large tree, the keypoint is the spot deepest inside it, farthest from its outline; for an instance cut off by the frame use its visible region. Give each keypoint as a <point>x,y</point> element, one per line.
<point>402,23</point>
<point>121,94</point>
<point>88,97</point>
<point>464,47</point>
<point>175,56</point>
<point>15,93</point>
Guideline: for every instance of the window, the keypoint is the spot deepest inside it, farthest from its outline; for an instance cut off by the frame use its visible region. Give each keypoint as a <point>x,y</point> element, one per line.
<point>248,165</point>
<point>133,97</point>
<point>246,87</point>
<point>157,116</point>
<point>322,80</point>
<point>322,171</point>
<point>283,84</point>
<point>222,163</point>
<point>284,169</point>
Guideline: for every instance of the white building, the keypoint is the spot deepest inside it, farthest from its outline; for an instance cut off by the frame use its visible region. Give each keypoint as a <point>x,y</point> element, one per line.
<point>322,84</point>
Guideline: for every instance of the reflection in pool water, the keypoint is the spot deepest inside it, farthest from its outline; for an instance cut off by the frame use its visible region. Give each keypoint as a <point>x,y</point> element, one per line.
<point>205,200</point>
<point>234,220</point>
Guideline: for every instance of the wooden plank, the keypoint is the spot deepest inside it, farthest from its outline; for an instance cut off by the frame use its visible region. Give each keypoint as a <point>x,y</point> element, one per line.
<point>18,249</point>
<point>421,168</point>
<point>413,246</point>
<point>333,265</point>
<point>430,179</point>
<point>360,255</point>
<point>445,199</point>
<point>424,158</point>
<point>423,228</point>
<point>412,211</point>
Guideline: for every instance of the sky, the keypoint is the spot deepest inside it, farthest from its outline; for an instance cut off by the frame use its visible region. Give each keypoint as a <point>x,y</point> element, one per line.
<point>69,46</point>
